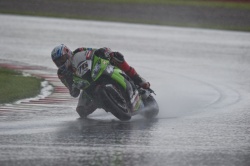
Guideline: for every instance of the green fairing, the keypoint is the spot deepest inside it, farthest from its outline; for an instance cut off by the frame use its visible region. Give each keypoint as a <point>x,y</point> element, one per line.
<point>103,64</point>
<point>115,75</point>
<point>119,78</point>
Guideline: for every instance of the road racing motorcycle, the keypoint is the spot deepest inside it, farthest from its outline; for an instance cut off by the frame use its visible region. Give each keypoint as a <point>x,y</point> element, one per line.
<point>115,92</point>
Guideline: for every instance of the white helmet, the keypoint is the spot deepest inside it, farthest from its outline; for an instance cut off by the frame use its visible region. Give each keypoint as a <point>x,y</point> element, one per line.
<point>60,54</point>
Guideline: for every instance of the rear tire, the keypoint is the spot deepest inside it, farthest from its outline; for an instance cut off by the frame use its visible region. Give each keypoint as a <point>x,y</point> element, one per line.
<point>151,108</point>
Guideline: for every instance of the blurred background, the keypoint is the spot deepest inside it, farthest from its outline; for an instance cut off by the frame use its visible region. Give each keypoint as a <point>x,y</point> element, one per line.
<point>212,14</point>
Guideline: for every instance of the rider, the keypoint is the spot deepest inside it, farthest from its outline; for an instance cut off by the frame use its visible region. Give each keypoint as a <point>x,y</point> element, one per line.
<point>68,61</point>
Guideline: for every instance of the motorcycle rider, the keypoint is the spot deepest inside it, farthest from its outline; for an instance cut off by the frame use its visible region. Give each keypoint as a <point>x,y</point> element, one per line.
<point>68,65</point>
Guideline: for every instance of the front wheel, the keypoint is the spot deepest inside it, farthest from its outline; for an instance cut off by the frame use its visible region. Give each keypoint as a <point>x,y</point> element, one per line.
<point>114,102</point>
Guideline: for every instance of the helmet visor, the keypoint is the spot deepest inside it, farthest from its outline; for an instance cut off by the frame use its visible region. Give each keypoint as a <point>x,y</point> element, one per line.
<point>61,60</point>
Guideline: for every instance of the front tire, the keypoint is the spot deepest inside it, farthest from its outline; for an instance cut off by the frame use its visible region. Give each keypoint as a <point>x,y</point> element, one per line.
<point>114,102</point>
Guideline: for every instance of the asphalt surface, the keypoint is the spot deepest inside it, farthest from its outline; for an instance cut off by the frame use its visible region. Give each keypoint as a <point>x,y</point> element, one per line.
<point>201,78</point>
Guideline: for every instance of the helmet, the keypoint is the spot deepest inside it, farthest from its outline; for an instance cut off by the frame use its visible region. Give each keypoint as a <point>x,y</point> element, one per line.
<point>60,55</point>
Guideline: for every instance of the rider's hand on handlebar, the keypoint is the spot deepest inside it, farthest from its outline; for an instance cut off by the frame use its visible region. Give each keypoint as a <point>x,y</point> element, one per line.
<point>79,85</point>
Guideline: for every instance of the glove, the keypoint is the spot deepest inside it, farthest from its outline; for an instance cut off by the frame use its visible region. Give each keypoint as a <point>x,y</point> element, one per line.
<point>74,92</point>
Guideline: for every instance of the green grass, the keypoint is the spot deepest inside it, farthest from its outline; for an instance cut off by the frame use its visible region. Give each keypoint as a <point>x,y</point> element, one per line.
<point>14,86</point>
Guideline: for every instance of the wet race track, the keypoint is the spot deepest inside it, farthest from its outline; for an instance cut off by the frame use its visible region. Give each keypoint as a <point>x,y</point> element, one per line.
<point>202,84</point>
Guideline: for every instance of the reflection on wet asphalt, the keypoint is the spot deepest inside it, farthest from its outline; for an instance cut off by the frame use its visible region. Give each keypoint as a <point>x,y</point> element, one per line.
<point>201,78</point>
<point>62,139</point>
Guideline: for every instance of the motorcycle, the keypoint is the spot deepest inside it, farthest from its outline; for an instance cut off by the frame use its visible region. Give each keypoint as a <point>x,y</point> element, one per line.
<point>115,92</point>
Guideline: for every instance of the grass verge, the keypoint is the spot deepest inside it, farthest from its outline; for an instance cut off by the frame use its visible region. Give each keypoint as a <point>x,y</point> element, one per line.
<point>14,86</point>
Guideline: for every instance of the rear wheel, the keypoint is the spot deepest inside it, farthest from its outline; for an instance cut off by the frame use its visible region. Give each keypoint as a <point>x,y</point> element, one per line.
<point>151,109</point>
<point>114,102</point>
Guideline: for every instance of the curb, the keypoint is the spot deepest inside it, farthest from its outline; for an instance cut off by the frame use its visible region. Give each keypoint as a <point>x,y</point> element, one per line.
<point>59,97</point>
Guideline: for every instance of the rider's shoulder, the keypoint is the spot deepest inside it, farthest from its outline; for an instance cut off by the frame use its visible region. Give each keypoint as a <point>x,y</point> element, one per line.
<point>81,49</point>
